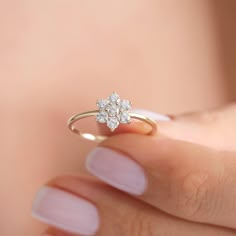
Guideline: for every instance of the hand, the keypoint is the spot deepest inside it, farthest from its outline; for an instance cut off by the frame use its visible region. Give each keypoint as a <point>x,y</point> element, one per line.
<point>179,182</point>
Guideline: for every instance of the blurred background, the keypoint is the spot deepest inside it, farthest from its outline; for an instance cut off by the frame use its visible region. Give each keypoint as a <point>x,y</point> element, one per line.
<point>226,20</point>
<point>57,57</point>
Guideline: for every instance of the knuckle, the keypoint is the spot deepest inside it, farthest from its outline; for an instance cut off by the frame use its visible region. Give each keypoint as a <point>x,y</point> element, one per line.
<point>141,224</point>
<point>193,194</point>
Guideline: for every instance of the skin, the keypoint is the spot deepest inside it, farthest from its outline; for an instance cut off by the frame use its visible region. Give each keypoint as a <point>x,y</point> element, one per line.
<point>52,48</point>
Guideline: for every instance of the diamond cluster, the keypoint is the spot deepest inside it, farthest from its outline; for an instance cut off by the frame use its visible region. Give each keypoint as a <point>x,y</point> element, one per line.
<point>113,111</point>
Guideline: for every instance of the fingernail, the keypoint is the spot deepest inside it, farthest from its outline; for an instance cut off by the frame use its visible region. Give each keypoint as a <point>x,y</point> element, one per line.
<point>117,170</point>
<point>153,115</point>
<point>65,211</point>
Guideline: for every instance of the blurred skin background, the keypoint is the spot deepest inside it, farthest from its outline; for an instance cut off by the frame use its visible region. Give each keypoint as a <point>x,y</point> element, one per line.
<point>58,57</point>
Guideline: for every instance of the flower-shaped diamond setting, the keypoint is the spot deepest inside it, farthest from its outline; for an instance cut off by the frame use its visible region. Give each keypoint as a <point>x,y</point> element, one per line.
<point>113,111</point>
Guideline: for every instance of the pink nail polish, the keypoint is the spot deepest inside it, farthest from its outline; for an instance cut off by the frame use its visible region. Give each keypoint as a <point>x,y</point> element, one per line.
<point>65,211</point>
<point>117,170</point>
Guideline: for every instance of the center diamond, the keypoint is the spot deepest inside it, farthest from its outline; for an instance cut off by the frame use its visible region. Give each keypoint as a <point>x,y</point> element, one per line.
<point>113,111</point>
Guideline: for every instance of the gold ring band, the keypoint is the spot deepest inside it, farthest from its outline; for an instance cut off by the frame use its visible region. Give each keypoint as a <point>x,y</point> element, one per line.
<point>112,111</point>
<point>99,138</point>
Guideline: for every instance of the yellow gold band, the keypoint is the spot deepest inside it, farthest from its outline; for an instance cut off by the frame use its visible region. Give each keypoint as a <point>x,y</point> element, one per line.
<point>98,138</point>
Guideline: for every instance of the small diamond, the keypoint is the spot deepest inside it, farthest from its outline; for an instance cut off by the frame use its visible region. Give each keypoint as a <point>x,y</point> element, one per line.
<point>114,98</point>
<point>124,118</point>
<point>102,117</point>
<point>112,123</point>
<point>125,105</point>
<point>112,109</point>
<point>102,103</point>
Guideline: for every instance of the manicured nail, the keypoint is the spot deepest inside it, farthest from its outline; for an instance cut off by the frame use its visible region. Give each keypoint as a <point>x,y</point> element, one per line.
<point>153,115</point>
<point>117,170</point>
<point>65,211</point>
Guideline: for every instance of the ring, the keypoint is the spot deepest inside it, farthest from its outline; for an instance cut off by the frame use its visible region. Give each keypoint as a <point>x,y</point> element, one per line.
<point>112,111</point>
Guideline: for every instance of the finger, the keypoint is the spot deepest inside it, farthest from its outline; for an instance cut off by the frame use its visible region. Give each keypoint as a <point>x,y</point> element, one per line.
<point>81,206</point>
<point>214,128</point>
<point>183,179</point>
